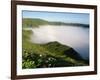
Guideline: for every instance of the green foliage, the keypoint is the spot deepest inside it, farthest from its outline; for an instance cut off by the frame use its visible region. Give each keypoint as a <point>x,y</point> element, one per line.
<point>25,34</point>
<point>34,60</point>
<point>28,64</point>
<point>28,22</point>
<point>56,47</point>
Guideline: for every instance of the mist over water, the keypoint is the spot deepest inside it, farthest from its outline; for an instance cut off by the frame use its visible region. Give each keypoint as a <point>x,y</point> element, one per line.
<point>73,36</point>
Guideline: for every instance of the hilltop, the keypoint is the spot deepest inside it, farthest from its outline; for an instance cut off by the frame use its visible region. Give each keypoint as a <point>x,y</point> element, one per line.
<point>35,22</point>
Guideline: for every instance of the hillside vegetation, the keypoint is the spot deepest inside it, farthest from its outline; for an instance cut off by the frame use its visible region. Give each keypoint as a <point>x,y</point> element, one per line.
<point>28,22</point>
<point>52,54</point>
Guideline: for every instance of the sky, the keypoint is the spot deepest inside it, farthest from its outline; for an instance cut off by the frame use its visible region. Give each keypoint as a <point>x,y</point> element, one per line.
<point>67,17</point>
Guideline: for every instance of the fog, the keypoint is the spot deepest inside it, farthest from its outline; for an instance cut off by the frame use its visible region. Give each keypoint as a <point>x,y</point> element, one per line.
<point>73,36</point>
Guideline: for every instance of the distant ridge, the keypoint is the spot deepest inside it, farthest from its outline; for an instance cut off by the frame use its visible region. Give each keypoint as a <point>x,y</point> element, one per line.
<point>35,22</point>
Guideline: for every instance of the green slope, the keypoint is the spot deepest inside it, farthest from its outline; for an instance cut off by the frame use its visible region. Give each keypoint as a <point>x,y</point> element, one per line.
<point>28,22</point>
<point>52,54</point>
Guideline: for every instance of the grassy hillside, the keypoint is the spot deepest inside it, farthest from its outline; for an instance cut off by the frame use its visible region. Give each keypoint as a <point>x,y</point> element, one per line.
<point>52,54</point>
<point>35,22</point>
<point>28,22</point>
